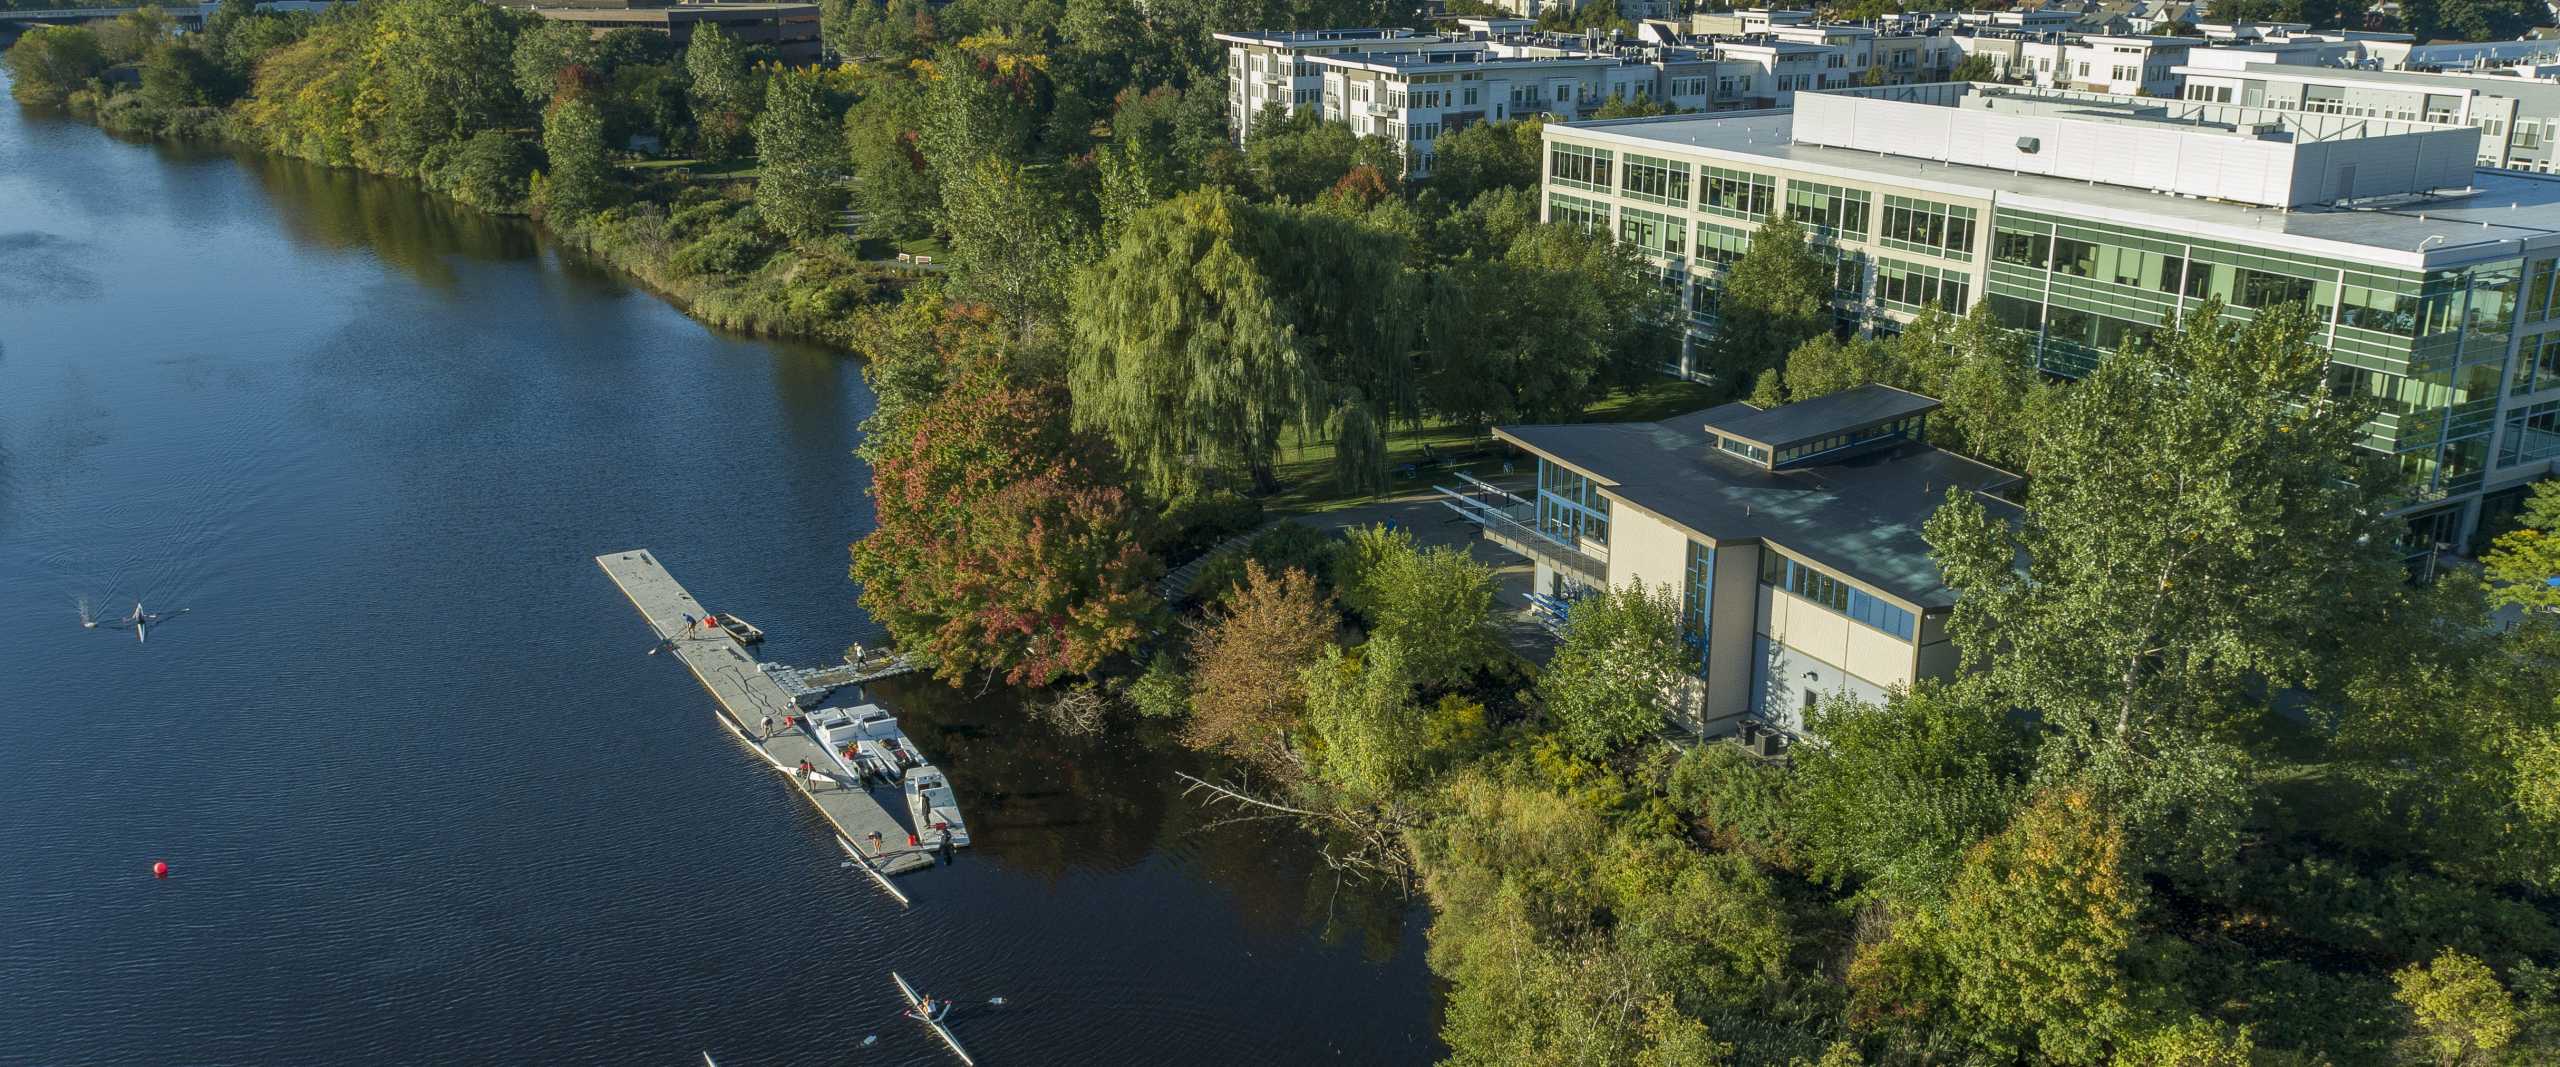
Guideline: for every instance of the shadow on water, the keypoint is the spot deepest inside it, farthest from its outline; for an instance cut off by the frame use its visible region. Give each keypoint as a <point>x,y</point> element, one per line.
<point>348,210</point>
<point>1048,803</point>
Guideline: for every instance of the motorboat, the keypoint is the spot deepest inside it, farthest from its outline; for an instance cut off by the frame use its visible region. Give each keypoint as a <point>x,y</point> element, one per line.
<point>931,808</point>
<point>865,741</point>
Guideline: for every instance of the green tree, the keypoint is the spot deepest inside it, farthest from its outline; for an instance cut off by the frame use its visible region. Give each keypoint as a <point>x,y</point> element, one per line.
<point>1298,156</point>
<point>1360,715</point>
<point>1896,794</point>
<point>893,189</point>
<point>723,90</point>
<point>1975,67</point>
<point>1014,244</point>
<point>1485,156</point>
<point>2196,531</point>
<point>796,155</point>
<point>2463,1015</point>
<point>546,49</point>
<point>2522,564</point>
<point>435,72</point>
<point>1620,668</point>
<point>1619,106</point>
<point>580,178</point>
<point>1183,351</point>
<point>1771,300</point>
<point>1827,365</point>
<point>2038,928</point>
<point>1436,603</point>
<point>134,35</point>
<point>47,64</point>
<point>178,76</point>
<point>1560,320</point>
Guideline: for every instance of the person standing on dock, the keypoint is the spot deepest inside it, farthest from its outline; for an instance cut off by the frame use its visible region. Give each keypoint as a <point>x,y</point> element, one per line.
<point>767,735</point>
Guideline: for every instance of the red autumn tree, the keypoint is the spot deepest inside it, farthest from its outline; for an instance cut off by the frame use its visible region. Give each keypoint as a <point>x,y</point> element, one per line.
<point>999,546</point>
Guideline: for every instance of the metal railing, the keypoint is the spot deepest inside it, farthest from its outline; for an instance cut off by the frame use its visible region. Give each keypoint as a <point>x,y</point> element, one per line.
<point>1511,520</point>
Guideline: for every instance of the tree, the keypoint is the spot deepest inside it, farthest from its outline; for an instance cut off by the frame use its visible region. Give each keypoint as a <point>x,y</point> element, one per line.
<point>435,72</point>
<point>723,90</point>
<point>1182,348</point>
<point>544,50</point>
<point>1249,661</point>
<point>1481,157</point>
<point>1360,716</point>
<point>1771,300</point>
<point>2038,927</point>
<point>133,35</point>
<point>1437,603</point>
<point>1298,156</point>
<point>2463,1015</point>
<point>1896,794</point>
<point>1620,667</point>
<point>896,194</point>
<point>796,189</point>
<point>2197,530</point>
<point>2523,563</point>
<point>580,178</point>
<point>1003,543</point>
<point>1827,365</point>
<point>1619,106</point>
<point>1559,321</point>
<point>51,61</point>
<point>980,104</point>
<point>1975,67</point>
<point>178,76</point>
<point>1015,246</point>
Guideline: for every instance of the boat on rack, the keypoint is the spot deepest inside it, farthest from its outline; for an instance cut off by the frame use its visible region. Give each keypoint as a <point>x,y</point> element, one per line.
<point>931,807</point>
<point>915,1010</point>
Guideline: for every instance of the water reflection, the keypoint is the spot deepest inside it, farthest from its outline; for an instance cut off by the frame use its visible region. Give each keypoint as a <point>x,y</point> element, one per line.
<point>347,210</point>
<point>1051,804</point>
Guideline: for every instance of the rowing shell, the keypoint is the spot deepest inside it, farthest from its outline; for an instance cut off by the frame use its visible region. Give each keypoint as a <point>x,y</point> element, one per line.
<point>916,1003</point>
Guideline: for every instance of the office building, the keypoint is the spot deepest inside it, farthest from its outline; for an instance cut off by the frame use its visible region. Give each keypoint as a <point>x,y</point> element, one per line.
<point>1791,537</point>
<point>2518,117</point>
<point>2086,220</point>
<point>788,31</point>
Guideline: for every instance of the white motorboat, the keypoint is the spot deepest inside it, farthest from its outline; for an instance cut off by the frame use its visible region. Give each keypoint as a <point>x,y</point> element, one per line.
<point>933,811</point>
<point>865,741</point>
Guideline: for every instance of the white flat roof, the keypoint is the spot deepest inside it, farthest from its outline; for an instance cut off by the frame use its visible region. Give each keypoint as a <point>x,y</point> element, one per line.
<point>2504,208</point>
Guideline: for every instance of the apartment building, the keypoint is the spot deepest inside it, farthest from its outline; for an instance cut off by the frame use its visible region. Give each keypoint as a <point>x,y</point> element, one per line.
<point>2518,118</point>
<point>2085,220</point>
<point>2126,65</point>
<point>1411,88</point>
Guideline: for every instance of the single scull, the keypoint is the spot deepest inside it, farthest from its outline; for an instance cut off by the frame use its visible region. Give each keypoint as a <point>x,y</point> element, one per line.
<point>916,1004</point>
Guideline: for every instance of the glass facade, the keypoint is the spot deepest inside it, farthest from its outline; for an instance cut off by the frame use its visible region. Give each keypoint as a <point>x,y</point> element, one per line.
<point>1570,508</point>
<point>1828,209</point>
<point>2533,434</point>
<point>2432,346</point>
<point>1697,600</point>
<point>1589,216</point>
<point>1821,587</point>
<point>2537,365</point>
<point>1578,167</point>
<point>1655,233</point>
<point>1927,226</point>
<point>1912,286</point>
<point>1736,194</point>
<point>1659,181</point>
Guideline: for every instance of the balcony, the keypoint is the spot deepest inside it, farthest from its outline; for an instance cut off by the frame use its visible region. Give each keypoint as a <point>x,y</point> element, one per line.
<point>1510,520</point>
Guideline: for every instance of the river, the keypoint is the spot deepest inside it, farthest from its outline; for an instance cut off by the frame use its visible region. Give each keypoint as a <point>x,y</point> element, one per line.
<point>423,795</point>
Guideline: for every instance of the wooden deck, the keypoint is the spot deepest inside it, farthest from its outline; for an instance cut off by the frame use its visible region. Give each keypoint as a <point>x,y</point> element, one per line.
<point>746,696</point>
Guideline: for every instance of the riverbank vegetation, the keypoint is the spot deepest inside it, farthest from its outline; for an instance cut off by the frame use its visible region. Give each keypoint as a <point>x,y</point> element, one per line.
<point>2217,787</point>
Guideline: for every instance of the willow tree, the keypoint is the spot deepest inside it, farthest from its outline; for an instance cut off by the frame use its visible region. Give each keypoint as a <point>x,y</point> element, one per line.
<point>1184,352</point>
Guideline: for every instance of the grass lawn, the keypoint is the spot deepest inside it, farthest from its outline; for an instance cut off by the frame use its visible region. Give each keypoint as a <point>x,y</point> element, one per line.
<point>735,168</point>
<point>1306,467</point>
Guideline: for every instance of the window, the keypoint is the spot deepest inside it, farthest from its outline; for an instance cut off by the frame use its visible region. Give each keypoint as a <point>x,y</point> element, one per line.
<point>1659,181</point>
<point>1721,246</point>
<point>2537,364</point>
<point>1570,507</point>
<point>2538,302</point>
<point>1697,603</point>
<point>1828,209</point>
<point>2258,289</point>
<point>1915,286</point>
<point>1578,167</point>
<point>1744,449</point>
<point>1928,227</point>
<point>2379,310</point>
<point>2022,248</point>
<point>2533,434</point>
<point>1829,591</point>
<point>2016,314</point>
<point>1736,194</point>
<point>1657,234</point>
<point>1588,216</point>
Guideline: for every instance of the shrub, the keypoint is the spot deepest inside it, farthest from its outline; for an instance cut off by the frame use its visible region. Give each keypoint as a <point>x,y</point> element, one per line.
<point>1285,547</point>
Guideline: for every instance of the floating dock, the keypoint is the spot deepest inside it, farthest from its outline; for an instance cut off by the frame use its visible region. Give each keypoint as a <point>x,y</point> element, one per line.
<point>809,686</point>
<point>747,695</point>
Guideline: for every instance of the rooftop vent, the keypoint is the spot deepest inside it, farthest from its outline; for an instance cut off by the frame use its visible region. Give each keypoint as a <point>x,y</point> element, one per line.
<point>2029,145</point>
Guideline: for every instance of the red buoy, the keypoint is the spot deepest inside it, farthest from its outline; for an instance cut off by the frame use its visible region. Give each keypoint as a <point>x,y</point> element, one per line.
<point>160,868</point>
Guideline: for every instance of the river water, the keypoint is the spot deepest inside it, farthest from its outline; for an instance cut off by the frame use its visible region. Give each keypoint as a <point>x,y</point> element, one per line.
<point>424,796</point>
